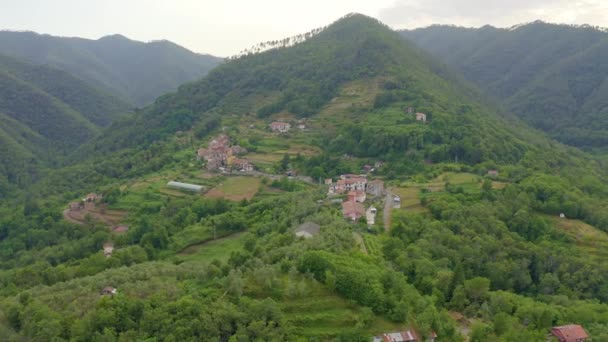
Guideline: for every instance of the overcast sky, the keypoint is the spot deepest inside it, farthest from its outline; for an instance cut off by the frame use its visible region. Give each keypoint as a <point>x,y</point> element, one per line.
<point>224,27</point>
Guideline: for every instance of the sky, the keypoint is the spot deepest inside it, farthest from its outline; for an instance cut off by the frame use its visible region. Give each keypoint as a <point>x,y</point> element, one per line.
<point>225,27</point>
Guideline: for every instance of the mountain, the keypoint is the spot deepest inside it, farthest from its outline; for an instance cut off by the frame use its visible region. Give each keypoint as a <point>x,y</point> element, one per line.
<point>551,76</point>
<point>487,227</point>
<point>135,71</point>
<point>45,114</point>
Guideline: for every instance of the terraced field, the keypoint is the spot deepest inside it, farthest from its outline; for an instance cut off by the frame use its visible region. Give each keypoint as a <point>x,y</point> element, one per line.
<point>322,315</point>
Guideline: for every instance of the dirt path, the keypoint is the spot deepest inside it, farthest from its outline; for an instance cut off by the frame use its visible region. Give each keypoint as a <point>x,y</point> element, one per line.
<point>388,206</point>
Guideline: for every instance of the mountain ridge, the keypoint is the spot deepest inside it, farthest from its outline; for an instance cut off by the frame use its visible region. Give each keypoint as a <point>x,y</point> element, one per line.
<point>128,69</point>
<point>534,70</point>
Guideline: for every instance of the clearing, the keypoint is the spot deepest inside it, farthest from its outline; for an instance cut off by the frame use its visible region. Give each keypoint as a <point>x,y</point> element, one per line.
<point>236,188</point>
<point>97,212</point>
<point>215,249</point>
<point>588,238</point>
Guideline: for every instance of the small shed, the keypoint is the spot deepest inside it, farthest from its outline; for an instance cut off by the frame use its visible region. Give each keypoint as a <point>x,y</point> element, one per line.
<point>307,230</point>
<point>108,291</point>
<point>493,173</point>
<point>108,248</point>
<point>185,186</point>
<point>120,229</point>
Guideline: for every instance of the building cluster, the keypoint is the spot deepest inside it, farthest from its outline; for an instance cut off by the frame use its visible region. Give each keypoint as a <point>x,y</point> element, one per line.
<point>284,127</point>
<point>86,202</point>
<point>356,188</point>
<point>221,156</point>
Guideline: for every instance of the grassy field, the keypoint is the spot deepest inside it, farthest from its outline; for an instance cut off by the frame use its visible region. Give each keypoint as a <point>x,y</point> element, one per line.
<point>410,199</point>
<point>236,188</point>
<point>589,239</point>
<point>215,249</point>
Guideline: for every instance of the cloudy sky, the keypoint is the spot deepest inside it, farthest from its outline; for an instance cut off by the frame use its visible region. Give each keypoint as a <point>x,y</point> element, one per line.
<point>224,27</point>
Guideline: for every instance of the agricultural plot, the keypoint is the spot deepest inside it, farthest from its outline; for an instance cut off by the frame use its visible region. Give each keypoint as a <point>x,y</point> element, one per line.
<point>236,188</point>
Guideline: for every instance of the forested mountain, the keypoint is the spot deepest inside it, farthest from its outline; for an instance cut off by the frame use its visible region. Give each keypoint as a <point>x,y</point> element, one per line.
<point>500,232</point>
<point>135,71</point>
<point>554,77</point>
<point>46,113</point>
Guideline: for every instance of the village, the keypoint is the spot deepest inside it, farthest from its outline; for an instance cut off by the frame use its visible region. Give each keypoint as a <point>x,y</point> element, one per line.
<point>361,197</point>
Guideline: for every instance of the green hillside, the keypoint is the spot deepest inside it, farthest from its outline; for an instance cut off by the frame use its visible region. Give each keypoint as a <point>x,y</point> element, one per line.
<point>551,76</point>
<point>135,71</point>
<point>47,113</point>
<point>468,255</point>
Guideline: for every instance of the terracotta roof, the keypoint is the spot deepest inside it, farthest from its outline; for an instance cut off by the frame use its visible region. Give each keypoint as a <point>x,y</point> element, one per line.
<point>569,333</point>
<point>351,208</point>
<point>120,229</point>
<point>401,336</point>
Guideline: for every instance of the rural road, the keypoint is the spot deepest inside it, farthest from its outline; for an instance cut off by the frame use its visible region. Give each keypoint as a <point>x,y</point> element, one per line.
<point>388,206</point>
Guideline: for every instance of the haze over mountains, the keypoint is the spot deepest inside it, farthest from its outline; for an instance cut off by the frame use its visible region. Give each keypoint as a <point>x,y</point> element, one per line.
<point>554,77</point>
<point>58,93</point>
<point>486,227</point>
<point>135,71</point>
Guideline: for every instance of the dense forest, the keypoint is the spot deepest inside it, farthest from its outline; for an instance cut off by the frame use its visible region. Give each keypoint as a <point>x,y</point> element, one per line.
<point>134,71</point>
<point>493,256</point>
<point>551,76</point>
<point>46,113</point>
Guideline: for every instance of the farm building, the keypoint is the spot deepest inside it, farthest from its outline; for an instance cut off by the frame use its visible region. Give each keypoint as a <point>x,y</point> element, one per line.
<point>185,186</point>
<point>570,333</point>
<point>307,230</point>
<point>493,173</point>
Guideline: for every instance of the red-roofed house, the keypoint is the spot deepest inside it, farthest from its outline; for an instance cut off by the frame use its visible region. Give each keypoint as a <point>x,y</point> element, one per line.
<point>352,210</point>
<point>403,336</point>
<point>357,196</point>
<point>570,333</point>
<point>281,127</point>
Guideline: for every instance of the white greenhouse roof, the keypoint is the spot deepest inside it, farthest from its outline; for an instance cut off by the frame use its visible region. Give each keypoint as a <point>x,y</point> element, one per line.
<point>185,186</point>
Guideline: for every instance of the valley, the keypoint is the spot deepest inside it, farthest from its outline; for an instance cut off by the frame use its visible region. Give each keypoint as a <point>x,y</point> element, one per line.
<point>337,189</point>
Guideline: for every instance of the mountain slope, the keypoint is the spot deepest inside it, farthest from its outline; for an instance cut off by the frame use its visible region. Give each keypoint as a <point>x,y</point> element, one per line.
<point>136,71</point>
<point>551,76</point>
<point>46,113</point>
